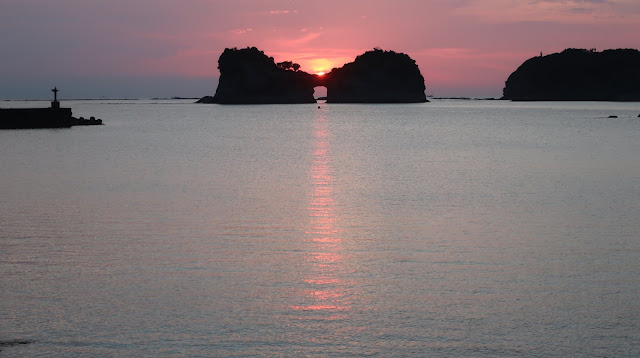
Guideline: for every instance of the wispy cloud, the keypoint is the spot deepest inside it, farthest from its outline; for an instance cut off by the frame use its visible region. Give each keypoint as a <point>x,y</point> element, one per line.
<point>299,40</point>
<point>447,53</point>
<point>241,31</point>
<point>283,12</point>
<point>557,11</point>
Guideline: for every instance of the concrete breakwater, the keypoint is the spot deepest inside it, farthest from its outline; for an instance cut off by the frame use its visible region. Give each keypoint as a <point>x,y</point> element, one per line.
<point>52,117</point>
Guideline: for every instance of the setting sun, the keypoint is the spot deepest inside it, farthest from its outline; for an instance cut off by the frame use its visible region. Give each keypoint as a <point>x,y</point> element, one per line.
<point>321,66</point>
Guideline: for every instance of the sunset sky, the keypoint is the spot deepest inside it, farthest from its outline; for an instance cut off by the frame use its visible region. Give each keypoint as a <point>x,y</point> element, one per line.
<point>161,48</point>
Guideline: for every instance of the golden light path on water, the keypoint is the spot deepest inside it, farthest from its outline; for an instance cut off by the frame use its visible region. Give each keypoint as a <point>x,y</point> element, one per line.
<point>327,291</point>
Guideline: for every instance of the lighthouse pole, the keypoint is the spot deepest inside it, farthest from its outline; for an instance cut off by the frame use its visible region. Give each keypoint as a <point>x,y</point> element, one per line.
<point>55,104</point>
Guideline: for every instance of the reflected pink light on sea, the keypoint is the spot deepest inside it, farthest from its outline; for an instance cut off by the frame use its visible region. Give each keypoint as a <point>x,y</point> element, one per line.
<point>320,308</point>
<point>327,289</point>
<point>324,295</point>
<point>322,257</point>
<point>322,281</point>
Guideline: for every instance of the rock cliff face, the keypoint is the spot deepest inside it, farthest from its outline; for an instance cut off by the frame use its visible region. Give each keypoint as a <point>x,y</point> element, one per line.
<point>577,75</point>
<point>248,76</point>
<point>376,77</point>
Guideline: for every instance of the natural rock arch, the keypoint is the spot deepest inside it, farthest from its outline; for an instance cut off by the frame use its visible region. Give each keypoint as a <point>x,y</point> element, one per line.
<point>248,76</point>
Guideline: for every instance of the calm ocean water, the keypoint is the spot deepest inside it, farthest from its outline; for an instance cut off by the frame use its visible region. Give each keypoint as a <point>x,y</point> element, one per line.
<point>446,229</point>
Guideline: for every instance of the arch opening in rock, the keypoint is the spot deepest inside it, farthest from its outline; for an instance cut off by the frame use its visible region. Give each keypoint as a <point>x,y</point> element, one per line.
<point>320,93</point>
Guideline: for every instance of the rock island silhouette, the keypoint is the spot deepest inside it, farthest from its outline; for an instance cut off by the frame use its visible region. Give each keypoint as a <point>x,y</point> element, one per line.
<point>577,75</point>
<point>248,76</point>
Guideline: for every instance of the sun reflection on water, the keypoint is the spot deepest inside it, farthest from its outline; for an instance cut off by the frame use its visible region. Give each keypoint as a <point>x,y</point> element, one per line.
<point>326,295</point>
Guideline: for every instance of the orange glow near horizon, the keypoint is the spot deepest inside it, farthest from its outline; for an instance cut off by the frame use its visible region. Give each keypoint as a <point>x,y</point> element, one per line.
<point>320,66</point>
<point>479,43</point>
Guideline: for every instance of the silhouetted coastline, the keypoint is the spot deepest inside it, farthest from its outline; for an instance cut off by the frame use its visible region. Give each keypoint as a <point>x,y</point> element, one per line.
<point>577,75</point>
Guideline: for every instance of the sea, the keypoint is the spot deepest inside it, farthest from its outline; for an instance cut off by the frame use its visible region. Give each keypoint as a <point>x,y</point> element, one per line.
<point>454,228</point>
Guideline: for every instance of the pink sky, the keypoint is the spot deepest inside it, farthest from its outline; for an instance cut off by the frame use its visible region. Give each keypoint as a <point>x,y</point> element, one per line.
<point>146,48</point>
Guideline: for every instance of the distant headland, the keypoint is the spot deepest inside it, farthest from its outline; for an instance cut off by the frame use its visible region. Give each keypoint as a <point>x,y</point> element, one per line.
<point>248,76</point>
<point>577,75</point>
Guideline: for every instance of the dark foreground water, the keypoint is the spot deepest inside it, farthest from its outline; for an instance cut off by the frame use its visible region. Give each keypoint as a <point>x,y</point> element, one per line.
<point>451,229</point>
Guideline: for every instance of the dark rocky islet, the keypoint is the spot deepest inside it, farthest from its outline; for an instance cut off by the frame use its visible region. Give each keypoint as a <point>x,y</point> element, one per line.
<point>376,76</point>
<point>248,76</point>
<point>577,75</point>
